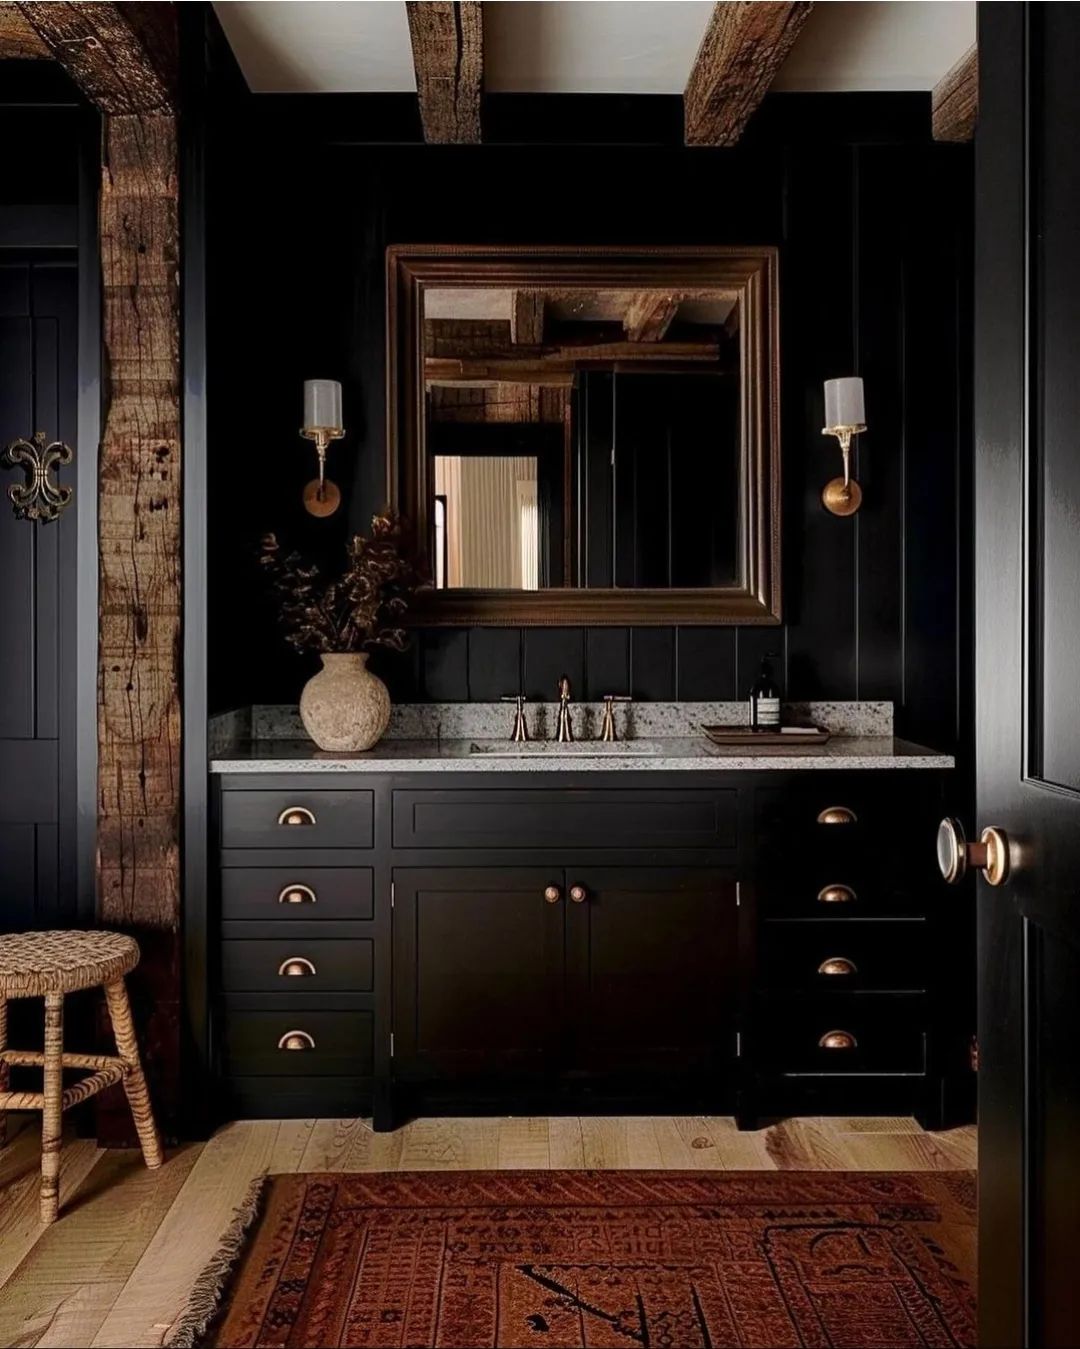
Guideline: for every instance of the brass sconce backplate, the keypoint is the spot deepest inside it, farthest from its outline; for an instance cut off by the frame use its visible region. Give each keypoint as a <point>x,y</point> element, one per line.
<point>41,497</point>
<point>840,497</point>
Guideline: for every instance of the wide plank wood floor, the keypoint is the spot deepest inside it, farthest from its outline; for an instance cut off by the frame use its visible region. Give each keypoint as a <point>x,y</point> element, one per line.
<point>118,1266</point>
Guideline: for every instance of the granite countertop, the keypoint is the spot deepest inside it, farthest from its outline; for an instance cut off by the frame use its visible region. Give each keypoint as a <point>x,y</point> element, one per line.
<point>662,754</point>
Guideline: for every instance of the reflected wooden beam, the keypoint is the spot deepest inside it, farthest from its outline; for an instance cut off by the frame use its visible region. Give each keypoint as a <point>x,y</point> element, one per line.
<point>19,40</point>
<point>649,315</point>
<point>527,319</point>
<point>744,46</point>
<point>954,104</point>
<point>448,54</point>
<point>552,368</point>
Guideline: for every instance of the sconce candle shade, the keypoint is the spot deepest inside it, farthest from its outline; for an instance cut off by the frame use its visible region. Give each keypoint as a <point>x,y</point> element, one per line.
<point>844,402</point>
<point>322,405</point>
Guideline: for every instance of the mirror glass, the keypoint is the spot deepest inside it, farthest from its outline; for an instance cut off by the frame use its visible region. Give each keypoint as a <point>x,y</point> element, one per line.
<point>583,438</point>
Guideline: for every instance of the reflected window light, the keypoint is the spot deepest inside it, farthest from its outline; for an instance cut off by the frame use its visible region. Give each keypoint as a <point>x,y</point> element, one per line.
<point>440,543</point>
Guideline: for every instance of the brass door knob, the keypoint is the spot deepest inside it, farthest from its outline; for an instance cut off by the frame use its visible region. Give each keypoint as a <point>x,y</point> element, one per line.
<point>837,815</point>
<point>297,894</point>
<point>837,965</point>
<point>296,815</point>
<point>838,1039</point>
<point>578,894</point>
<point>552,894</point>
<point>296,967</point>
<point>836,894</point>
<point>955,854</point>
<point>296,1039</point>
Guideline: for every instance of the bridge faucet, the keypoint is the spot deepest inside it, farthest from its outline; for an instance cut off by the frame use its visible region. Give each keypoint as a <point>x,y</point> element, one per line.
<point>565,731</point>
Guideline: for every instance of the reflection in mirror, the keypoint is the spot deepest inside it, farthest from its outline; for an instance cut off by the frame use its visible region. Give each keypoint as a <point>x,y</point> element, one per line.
<point>586,438</point>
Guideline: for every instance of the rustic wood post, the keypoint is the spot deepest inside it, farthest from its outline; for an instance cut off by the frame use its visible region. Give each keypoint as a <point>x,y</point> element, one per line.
<point>125,60</point>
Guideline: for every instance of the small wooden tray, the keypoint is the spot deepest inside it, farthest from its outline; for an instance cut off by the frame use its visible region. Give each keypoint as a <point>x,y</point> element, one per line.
<point>743,735</point>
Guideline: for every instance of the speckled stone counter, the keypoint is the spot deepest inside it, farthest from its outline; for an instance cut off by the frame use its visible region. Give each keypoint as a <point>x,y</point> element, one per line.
<point>673,754</point>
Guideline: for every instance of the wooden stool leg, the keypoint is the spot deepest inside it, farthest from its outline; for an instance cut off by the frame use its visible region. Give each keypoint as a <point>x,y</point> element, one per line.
<point>52,1112</point>
<point>134,1081</point>
<point>5,1071</point>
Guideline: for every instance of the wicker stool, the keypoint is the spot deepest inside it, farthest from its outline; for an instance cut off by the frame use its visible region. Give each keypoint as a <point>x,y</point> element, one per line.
<point>48,965</point>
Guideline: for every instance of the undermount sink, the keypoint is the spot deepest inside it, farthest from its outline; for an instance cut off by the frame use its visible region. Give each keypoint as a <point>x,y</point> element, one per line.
<point>508,749</point>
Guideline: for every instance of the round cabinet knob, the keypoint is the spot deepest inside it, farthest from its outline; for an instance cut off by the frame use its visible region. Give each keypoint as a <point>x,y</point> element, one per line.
<point>296,1039</point>
<point>838,1039</point>
<point>552,894</point>
<point>296,967</point>
<point>296,815</point>
<point>836,894</point>
<point>578,894</point>
<point>837,815</point>
<point>837,965</point>
<point>955,854</point>
<point>297,894</point>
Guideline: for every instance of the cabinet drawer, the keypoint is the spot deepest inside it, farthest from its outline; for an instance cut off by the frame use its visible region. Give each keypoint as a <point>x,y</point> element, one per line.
<point>844,956</point>
<point>296,894</point>
<point>334,1044</point>
<point>296,965</point>
<point>537,818</point>
<point>297,819</point>
<point>797,1034</point>
<point>839,893</point>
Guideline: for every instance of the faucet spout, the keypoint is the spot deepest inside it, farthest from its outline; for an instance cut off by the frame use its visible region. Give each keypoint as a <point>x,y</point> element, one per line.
<point>564,733</point>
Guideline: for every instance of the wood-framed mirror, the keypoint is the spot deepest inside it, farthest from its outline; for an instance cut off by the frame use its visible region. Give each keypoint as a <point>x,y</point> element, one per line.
<point>587,435</point>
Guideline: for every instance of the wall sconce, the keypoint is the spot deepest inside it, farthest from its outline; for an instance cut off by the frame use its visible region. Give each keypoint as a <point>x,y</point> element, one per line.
<point>322,424</point>
<point>845,416</point>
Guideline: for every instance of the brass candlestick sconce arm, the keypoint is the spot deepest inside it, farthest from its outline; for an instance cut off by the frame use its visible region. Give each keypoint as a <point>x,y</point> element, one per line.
<point>322,424</point>
<point>845,418</point>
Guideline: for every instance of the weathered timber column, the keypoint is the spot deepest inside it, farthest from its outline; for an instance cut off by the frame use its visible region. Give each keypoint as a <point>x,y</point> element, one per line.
<point>139,724</point>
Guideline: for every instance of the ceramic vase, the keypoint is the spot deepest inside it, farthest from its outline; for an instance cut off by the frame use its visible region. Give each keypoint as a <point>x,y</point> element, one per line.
<point>345,707</point>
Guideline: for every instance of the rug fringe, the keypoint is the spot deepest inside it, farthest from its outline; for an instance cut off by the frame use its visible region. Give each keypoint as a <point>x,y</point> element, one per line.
<point>202,1305</point>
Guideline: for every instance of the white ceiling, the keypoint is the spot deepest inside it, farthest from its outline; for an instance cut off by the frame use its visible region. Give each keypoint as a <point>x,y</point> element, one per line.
<point>588,46</point>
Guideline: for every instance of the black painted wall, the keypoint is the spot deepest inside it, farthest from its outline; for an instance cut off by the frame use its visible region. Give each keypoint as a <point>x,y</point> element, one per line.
<point>874,226</point>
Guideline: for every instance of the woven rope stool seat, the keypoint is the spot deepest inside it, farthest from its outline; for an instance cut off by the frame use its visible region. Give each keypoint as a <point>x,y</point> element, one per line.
<point>48,965</point>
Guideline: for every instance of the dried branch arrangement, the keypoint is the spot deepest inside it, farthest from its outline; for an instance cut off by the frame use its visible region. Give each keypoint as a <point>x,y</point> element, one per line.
<point>359,610</point>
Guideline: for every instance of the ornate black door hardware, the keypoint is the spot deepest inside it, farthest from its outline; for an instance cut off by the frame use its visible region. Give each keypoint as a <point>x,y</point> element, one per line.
<point>40,497</point>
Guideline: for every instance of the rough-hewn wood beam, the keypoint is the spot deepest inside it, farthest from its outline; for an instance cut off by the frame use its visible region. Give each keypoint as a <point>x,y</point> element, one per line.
<point>649,315</point>
<point>743,48</point>
<point>18,38</point>
<point>122,56</point>
<point>448,53</point>
<point>527,319</point>
<point>954,104</point>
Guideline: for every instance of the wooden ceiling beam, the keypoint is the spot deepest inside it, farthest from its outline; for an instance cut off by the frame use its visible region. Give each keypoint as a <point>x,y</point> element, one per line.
<point>649,315</point>
<point>744,46</point>
<point>124,57</point>
<point>954,104</point>
<point>18,38</point>
<point>448,54</point>
<point>527,318</point>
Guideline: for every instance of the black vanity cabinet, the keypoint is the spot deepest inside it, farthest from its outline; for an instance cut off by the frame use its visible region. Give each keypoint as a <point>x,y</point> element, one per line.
<point>739,942</point>
<point>554,974</point>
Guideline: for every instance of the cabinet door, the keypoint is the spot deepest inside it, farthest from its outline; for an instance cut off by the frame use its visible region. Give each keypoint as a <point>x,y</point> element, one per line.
<point>478,966</point>
<point>652,969</point>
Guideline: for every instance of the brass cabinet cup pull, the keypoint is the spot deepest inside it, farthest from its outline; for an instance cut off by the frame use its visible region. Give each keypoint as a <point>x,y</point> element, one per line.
<point>837,815</point>
<point>837,965</point>
<point>836,894</point>
<point>296,1039</point>
<point>296,966</point>
<point>838,1039</point>
<point>296,815</point>
<point>295,893</point>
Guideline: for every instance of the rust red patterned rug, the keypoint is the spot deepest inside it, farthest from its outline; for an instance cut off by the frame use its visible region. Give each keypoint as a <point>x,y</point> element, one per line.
<point>638,1260</point>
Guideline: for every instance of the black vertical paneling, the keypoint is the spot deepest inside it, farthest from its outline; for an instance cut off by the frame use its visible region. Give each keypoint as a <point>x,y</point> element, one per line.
<point>444,656</point>
<point>705,665</point>
<point>818,307</point>
<point>549,654</point>
<point>495,669</point>
<point>883,202</point>
<point>607,662</point>
<point>752,646</point>
<point>652,663</point>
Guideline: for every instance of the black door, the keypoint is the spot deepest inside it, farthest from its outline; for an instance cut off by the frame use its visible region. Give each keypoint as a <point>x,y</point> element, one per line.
<point>478,966</point>
<point>1027,512</point>
<point>652,972</point>
<point>38,392</point>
